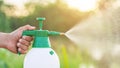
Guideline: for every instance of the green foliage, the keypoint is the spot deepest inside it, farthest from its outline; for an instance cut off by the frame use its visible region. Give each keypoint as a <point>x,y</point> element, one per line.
<point>10,60</point>
<point>65,58</point>
<point>4,22</point>
<point>55,14</point>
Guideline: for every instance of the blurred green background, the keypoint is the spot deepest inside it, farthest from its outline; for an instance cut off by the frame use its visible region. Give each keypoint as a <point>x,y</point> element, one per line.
<point>59,17</point>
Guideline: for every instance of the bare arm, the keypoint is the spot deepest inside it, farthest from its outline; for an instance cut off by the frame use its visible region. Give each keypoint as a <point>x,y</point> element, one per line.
<point>3,39</point>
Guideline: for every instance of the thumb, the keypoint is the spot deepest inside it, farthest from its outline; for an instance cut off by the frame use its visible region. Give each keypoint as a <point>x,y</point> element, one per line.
<point>28,27</point>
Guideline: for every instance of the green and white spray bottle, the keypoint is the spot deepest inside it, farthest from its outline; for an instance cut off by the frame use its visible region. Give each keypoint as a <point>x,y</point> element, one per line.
<point>41,55</point>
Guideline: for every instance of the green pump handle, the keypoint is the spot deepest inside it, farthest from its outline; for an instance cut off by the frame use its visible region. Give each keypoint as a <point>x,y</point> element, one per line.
<point>40,22</point>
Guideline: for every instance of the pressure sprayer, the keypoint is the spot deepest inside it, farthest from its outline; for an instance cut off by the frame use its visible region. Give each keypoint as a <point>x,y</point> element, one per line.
<point>41,55</point>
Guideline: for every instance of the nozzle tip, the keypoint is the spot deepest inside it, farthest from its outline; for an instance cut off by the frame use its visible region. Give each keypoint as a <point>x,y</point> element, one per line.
<point>62,33</point>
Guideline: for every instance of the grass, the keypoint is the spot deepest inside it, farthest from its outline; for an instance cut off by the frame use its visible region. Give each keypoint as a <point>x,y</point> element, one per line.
<point>10,60</point>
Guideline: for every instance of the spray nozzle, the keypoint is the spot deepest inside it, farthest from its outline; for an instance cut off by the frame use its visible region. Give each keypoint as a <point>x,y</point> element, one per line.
<point>62,33</point>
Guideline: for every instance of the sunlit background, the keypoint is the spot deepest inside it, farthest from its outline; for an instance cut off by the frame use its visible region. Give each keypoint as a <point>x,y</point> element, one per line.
<point>92,30</point>
<point>81,5</point>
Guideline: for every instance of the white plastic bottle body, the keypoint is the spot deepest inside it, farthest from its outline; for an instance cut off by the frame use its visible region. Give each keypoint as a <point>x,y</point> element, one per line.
<point>41,58</point>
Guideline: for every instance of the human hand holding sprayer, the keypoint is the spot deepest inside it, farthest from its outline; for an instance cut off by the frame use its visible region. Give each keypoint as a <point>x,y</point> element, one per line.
<point>14,41</point>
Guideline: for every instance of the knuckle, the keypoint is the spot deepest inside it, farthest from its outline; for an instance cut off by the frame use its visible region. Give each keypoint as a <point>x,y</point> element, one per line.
<point>19,49</point>
<point>18,44</point>
<point>20,40</point>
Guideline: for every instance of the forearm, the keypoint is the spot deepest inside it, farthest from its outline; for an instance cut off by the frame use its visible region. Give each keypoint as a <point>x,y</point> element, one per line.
<point>3,39</point>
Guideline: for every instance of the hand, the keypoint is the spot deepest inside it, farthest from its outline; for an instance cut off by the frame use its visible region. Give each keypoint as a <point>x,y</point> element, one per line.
<point>17,42</point>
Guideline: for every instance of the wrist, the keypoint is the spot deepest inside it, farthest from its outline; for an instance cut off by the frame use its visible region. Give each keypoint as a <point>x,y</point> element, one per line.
<point>4,40</point>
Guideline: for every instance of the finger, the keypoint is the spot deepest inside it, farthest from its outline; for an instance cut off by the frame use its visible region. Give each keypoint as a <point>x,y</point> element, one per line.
<point>19,45</point>
<point>27,38</point>
<point>22,51</point>
<point>24,42</point>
